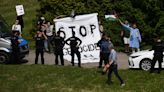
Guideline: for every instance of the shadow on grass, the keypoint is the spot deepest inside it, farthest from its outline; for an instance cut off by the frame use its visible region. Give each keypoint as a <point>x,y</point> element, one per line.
<point>15,63</point>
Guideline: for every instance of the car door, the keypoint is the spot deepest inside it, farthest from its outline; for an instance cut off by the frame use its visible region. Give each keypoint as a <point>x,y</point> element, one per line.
<point>163,61</point>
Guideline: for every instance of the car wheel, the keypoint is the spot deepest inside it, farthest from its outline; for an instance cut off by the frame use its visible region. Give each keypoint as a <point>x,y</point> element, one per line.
<point>145,64</point>
<point>4,57</point>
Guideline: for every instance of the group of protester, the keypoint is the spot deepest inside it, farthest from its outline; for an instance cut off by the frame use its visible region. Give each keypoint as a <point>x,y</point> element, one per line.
<point>46,37</point>
<point>57,42</point>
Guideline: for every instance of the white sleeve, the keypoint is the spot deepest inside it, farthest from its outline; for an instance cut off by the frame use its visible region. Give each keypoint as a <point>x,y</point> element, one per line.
<point>12,27</point>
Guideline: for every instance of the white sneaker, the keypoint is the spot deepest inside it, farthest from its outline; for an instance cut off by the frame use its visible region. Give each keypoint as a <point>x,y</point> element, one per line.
<point>123,84</point>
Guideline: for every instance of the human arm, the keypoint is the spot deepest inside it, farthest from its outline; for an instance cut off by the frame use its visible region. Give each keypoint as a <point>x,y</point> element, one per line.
<point>139,35</point>
<point>63,42</point>
<point>45,37</point>
<point>124,25</point>
<point>98,43</point>
<point>66,41</point>
<point>13,27</point>
<point>79,42</point>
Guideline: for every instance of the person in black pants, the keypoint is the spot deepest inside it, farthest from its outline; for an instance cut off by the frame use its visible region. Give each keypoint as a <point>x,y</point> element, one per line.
<point>112,67</point>
<point>39,38</point>
<point>104,43</point>
<point>58,44</point>
<point>74,43</point>
<point>158,48</point>
<point>15,48</point>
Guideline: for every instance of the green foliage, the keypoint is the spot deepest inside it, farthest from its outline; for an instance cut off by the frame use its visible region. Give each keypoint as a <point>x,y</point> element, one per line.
<point>148,14</point>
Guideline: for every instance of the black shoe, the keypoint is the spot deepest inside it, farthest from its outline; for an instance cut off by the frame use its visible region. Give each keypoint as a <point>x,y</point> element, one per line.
<point>103,73</point>
<point>99,66</point>
<point>159,72</point>
<point>109,82</point>
<point>151,71</point>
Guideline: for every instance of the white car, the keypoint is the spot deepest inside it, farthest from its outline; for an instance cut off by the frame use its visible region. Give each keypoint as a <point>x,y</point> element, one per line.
<point>142,59</point>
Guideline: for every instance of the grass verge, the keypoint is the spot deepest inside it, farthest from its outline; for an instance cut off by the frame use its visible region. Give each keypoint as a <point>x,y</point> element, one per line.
<point>49,78</point>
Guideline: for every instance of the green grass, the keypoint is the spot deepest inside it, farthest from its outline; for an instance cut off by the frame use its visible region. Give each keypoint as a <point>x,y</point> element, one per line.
<point>50,78</point>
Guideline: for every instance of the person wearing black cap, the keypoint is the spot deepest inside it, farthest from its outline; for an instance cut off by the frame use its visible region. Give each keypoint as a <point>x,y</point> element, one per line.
<point>158,48</point>
<point>74,43</point>
<point>15,47</point>
<point>39,38</point>
<point>58,44</point>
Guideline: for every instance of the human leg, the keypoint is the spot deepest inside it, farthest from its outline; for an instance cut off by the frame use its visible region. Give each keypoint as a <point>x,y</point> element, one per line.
<point>160,64</point>
<point>153,64</point>
<point>100,62</point>
<point>115,70</point>
<point>42,56</point>
<point>36,56</point>
<point>109,81</point>
<point>79,58</point>
<point>61,59</point>
<point>56,59</point>
<point>72,59</point>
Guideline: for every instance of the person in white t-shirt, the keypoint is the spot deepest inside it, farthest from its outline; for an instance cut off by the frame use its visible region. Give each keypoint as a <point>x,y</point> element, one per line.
<point>17,27</point>
<point>49,34</point>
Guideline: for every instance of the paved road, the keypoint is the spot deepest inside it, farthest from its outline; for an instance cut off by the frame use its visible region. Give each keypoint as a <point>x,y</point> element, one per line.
<point>50,60</point>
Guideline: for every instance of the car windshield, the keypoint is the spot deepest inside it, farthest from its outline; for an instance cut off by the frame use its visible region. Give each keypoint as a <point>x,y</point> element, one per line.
<point>4,28</point>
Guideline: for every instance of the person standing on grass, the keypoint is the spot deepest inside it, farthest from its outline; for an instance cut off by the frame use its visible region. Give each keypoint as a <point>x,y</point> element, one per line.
<point>135,37</point>
<point>112,67</point>
<point>104,43</point>
<point>74,43</point>
<point>58,44</point>
<point>158,48</point>
<point>39,38</point>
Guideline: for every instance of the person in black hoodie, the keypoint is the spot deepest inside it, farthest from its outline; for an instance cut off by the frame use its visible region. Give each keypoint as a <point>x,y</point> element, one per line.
<point>58,44</point>
<point>104,43</point>
<point>15,47</point>
<point>158,48</point>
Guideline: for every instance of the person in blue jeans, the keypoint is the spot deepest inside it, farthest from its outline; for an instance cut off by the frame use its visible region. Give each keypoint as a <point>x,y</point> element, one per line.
<point>112,67</point>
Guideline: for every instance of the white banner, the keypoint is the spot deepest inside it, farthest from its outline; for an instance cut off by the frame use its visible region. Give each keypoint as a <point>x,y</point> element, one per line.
<point>19,10</point>
<point>86,28</point>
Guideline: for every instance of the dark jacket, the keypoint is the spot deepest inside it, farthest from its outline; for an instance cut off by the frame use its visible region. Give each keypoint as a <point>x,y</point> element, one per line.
<point>158,48</point>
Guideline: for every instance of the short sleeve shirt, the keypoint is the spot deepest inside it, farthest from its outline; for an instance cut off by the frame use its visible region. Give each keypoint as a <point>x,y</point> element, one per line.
<point>113,56</point>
